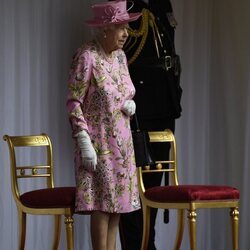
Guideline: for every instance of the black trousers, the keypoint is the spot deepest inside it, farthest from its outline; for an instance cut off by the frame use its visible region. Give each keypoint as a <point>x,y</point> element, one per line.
<point>131,224</point>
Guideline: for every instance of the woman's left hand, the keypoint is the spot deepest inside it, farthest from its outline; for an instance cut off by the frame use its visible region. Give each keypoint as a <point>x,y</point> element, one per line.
<point>129,107</point>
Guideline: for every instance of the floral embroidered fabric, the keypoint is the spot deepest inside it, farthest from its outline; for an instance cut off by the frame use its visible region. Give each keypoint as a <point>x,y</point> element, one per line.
<point>97,90</point>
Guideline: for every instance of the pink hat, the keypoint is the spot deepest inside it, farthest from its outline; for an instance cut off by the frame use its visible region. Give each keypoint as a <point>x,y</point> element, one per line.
<point>113,12</point>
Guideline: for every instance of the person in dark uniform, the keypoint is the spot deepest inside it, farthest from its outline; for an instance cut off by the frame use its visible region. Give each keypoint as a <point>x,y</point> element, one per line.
<point>155,71</point>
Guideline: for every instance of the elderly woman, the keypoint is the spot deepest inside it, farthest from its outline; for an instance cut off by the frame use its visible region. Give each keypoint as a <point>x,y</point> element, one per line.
<point>100,104</point>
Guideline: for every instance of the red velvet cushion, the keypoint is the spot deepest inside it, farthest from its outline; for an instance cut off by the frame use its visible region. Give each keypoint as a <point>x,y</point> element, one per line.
<point>59,197</point>
<point>187,193</point>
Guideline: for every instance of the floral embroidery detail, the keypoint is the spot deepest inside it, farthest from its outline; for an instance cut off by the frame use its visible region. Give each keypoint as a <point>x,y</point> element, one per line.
<point>119,189</point>
<point>100,79</point>
<point>120,58</point>
<point>100,149</point>
<point>88,199</point>
<point>78,90</point>
<point>80,76</point>
<point>77,112</point>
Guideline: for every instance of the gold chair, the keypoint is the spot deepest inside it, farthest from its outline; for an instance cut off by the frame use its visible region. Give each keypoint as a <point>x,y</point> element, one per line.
<point>183,197</point>
<point>51,200</point>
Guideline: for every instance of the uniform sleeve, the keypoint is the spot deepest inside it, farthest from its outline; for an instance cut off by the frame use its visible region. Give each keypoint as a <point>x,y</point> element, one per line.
<point>78,84</point>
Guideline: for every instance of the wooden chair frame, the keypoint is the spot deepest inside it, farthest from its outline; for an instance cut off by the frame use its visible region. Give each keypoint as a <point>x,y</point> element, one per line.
<point>20,172</point>
<point>191,207</point>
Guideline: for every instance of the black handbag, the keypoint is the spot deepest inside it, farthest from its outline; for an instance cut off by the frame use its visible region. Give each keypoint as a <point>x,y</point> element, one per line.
<point>142,147</point>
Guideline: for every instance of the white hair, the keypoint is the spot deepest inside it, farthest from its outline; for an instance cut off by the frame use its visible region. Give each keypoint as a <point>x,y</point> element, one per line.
<point>99,31</point>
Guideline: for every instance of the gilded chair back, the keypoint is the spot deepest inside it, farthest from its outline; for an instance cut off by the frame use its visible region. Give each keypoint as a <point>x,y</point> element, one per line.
<point>30,171</point>
<point>165,136</point>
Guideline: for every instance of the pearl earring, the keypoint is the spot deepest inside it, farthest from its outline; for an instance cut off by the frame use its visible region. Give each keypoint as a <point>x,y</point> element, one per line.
<point>104,35</point>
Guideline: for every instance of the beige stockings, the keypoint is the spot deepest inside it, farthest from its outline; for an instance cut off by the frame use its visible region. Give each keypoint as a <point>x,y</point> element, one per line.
<point>104,228</point>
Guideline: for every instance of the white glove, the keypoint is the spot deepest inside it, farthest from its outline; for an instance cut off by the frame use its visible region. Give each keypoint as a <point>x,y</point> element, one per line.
<point>88,153</point>
<point>129,107</point>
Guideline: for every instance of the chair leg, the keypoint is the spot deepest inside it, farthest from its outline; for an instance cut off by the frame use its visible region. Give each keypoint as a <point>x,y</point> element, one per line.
<point>69,223</point>
<point>22,229</point>
<point>192,228</point>
<point>57,232</point>
<point>146,226</point>
<point>234,213</point>
<point>180,228</point>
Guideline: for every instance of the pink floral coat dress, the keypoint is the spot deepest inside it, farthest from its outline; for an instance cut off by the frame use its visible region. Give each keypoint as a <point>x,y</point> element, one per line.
<point>97,91</point>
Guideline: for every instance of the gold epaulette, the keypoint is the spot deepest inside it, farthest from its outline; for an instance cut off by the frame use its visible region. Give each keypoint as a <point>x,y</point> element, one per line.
<point>147,20</point>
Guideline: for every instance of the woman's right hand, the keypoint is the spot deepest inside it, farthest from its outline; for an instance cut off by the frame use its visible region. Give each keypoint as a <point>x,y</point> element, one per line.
<point>88,153</point>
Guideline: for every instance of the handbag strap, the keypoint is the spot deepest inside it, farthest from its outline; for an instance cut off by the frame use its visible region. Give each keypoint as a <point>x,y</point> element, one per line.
<point>136,123</point>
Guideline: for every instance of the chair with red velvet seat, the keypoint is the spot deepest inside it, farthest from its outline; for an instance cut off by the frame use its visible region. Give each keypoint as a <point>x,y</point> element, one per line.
<point>50,200</point>
<point>183,197</point>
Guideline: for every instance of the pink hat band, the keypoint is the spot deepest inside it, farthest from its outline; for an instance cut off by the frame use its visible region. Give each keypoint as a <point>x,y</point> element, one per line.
<point>112,12</point>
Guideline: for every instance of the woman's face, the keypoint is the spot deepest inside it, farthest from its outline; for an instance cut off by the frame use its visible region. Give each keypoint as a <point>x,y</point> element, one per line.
<point>116,36</point>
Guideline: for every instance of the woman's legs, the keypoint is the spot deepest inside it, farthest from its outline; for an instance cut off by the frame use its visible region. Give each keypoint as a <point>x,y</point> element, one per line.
<point>104,227</point>
<point>112,231</point>
<point>99,230</point>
